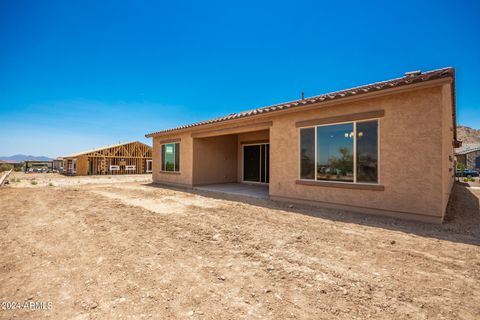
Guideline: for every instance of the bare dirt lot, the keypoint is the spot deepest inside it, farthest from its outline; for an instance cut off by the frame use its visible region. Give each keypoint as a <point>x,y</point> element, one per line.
<point>135,250</point>
<point>31,180</point>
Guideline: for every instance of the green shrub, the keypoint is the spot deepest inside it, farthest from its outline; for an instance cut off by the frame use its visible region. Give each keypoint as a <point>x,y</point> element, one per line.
<point>50,184</point>
<point>33,182</point>
<point>5,167</point>
<point>465,179</point>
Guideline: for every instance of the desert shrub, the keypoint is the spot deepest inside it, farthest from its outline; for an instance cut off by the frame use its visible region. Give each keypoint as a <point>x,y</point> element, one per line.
<point>33,182</point>
<point>5,167</point>
<point>465,179</point>
<point>18,169</point>
<point>50,184</point>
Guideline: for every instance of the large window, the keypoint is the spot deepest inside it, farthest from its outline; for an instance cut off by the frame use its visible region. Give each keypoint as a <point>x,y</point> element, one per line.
<point>171,157</point>
<point>346,152</point>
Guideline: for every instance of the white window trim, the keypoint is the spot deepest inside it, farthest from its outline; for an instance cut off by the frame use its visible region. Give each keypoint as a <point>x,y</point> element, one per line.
<point>354,122</point>
<point>151,166</point>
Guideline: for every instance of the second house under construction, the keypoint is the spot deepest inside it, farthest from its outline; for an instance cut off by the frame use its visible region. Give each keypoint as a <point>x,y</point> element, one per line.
<point>126,158</point>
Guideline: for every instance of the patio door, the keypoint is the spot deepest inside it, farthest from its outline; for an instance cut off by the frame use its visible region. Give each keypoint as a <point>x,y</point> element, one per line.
<point>256,163</point>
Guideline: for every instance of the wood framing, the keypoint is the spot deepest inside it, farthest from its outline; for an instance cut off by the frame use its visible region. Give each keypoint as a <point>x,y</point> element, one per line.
<point>126,158</point>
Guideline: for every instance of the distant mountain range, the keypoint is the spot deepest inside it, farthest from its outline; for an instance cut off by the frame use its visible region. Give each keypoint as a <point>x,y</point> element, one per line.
<point>464,134</point>
<point>23,157</point>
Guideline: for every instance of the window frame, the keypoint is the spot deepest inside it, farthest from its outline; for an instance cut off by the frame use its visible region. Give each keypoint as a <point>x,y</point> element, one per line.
<point>149,163</point>
<point>355,156</point>
<point>162,157</point>
<point>265,161</point>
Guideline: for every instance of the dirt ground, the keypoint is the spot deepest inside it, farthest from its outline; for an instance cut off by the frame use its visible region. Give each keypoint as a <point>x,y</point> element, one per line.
<point>122,249</point>
<point>30,180</point>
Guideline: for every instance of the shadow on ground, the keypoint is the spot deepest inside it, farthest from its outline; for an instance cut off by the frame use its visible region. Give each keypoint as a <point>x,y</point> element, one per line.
<point>461,224</point>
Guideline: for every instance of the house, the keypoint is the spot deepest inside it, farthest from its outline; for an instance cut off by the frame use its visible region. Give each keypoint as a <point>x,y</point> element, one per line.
<point>127,158</point>
<point>57,164</point>
<point>385,148</point>
<point>40,165</point>
<point>469,156</point>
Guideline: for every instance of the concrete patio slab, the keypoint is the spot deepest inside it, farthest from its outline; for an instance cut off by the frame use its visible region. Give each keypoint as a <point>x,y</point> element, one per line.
<point>242,189</point>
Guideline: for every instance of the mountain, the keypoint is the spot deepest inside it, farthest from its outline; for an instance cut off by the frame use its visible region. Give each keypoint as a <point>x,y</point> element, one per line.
<point>468,135</point>
<point>23,157</point>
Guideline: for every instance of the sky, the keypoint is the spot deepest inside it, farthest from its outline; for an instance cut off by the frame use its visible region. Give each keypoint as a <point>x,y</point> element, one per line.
<point>75,75</point>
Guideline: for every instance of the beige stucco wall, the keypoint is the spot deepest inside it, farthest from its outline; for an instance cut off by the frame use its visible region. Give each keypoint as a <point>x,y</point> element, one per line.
<point>215,160</point>
<point>184,177</point>
<point>410,156</point>
<point>448,156</point>
<point>245,138</point>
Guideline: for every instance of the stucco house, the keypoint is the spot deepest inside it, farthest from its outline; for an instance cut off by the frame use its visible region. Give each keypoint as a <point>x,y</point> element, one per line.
<point>469,155</point>
<point>362,149</point>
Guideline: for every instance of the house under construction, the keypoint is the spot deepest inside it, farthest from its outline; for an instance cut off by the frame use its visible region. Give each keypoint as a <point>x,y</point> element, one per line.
<point>126,158</point>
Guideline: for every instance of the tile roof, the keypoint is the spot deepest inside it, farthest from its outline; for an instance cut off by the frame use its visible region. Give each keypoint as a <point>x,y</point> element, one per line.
<point>467,148</point>
<point>408,79</point>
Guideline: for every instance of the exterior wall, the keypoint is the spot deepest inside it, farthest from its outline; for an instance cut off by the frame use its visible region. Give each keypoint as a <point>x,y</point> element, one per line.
<point>470,160</point>
<point>82,166</point>
<point>182,178</point>
<point>248,137</point>
<point>448,154</point>
<point>410,131</point>
<point>57,164</point>
<point>215,160</point>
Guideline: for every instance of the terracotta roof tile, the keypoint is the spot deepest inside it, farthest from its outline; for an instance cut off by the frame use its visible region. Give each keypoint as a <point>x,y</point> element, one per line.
<point>412,78</point>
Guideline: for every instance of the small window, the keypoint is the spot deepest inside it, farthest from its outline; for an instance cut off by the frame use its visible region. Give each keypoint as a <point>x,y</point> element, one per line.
<point>171,157</point>
<point>346,152</point>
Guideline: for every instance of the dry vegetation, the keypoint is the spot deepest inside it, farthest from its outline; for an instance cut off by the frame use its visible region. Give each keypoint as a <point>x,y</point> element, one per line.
<point>135,250</point>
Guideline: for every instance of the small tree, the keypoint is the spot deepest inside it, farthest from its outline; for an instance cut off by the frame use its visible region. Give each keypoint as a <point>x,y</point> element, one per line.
<point>460,167</point>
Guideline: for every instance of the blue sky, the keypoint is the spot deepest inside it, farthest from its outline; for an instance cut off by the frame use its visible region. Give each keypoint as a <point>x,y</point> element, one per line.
<point>81,74</point>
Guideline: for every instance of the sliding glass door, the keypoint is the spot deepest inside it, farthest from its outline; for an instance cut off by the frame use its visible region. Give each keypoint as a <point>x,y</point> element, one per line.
<point>256,163</point>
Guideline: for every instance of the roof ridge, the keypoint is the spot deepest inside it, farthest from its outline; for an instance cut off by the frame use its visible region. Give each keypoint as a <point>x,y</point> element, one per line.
<point>354,88</point>
<point>375,86</point>
<point>102,148</point>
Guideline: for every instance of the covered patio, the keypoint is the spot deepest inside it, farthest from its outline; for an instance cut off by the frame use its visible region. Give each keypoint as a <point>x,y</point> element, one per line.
<point>234,161</point>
